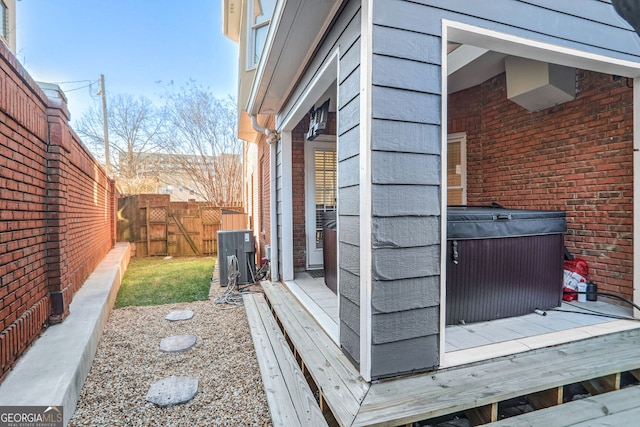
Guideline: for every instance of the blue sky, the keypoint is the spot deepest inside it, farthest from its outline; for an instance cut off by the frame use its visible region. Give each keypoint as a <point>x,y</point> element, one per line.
<point>139,45</point>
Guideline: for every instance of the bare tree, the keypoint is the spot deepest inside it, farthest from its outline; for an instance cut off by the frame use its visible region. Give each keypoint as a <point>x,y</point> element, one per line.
<point>203,139</point>
<point>136,128</point>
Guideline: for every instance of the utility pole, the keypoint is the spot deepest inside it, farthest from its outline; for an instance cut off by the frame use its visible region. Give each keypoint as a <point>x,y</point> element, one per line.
<point>104,124</point>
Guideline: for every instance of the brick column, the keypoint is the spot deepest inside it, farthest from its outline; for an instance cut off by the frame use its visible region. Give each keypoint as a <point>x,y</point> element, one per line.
<point>60,290</point>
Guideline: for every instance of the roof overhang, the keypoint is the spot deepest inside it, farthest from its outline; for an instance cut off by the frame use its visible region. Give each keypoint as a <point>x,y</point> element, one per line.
<point>296,29</point>
<point>231,15</point>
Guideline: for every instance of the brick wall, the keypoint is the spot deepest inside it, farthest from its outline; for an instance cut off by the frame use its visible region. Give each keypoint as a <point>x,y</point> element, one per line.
<point>263,212</point>
<point>263,188</point>
<point>57,210</point>
<point>298,196</point>
<point>575,157</point>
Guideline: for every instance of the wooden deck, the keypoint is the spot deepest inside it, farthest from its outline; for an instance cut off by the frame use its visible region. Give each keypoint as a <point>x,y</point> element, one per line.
<point>291,401</point>
<point>476,389</point>
<point>340,386</point>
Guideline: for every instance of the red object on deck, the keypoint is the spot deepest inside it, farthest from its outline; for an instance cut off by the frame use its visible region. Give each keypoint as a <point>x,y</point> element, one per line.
<point>577,265</point>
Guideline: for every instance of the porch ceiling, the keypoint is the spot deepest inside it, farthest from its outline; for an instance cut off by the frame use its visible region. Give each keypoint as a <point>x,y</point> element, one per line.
<point>296,29</point>
<point>469,66</point>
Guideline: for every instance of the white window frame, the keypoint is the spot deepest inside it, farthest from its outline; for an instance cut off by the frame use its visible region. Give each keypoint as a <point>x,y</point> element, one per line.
<point>253,57</point>
<point>4,21</point>
<point>460,137</point>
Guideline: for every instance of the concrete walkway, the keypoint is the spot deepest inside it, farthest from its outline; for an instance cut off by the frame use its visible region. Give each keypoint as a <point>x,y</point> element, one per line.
<point>53,370</point>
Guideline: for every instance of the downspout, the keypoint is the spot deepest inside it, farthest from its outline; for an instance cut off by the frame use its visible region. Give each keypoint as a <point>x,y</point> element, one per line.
<point>272,135</point>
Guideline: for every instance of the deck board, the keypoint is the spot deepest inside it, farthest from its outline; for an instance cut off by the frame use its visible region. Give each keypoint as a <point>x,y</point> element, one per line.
<point>339,382</point>
<point>291,401</point>
<point>616,408</point>
<point>452,390</point>
<point>569,316</point>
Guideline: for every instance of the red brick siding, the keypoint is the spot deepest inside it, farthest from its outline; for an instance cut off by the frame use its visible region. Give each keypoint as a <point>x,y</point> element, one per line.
<point>263,213</point>
<point>263,210</point>
<point>575,157</point>
<point>57,211</point>
<point>298,137</point>
<point>298,196</point>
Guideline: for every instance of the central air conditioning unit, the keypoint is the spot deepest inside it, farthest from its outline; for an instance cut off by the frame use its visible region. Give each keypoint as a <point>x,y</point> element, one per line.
<point>240,243</point>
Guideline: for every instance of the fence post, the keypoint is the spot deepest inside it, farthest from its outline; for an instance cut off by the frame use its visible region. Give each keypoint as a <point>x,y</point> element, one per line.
<point>148,216</point>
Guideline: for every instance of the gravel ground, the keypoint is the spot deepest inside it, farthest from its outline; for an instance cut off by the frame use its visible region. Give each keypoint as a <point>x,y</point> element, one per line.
<point>128,361</point>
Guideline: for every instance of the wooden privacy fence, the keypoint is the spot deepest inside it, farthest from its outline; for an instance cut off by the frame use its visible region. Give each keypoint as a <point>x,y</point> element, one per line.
<point>159,227</point>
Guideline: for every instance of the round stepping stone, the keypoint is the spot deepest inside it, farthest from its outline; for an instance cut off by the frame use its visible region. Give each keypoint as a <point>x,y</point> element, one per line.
<point>177,343</point>
<point>179,315</point>
<point>172,391</point>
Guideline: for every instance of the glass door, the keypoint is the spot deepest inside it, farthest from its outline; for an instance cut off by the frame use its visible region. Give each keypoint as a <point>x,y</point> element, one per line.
<point>320,197</point>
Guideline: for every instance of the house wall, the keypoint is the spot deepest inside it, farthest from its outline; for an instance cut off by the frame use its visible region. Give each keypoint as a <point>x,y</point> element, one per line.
<point>348,157</point>
<point>405,144</point>
<point>405,163</point>
<point>10,40</point>
<point>298,165</point>
<point>575,157</point>
<point>57,210</point>
<point>280,206</point>
<point>580,24</point>
<point>404,152</point>
<point>250,189</point>
<point>264,197</point>
<point>343,37</point>
<point>257,191</point>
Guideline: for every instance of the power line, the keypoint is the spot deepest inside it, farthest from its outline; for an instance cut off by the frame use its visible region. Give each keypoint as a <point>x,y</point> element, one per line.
<point>81,87</point>
<point>74,81</point>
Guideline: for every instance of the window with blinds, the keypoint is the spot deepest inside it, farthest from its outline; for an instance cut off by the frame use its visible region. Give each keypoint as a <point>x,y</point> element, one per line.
<point>456,169</point>
<point>326,187</point>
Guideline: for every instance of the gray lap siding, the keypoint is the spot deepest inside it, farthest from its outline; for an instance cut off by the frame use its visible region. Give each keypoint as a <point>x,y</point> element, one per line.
<point>406,114</point>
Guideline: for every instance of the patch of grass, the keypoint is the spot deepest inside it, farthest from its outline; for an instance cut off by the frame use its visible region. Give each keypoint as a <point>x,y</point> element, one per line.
<point>156,281</point>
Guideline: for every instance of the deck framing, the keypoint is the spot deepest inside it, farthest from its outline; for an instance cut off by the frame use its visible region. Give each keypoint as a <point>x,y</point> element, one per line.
<point>617,408</point>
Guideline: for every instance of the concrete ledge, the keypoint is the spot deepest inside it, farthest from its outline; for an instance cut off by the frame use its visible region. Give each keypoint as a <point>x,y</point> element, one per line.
<point>53,370</point>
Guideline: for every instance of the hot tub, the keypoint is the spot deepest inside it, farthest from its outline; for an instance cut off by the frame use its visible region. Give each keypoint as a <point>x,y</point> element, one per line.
<point>502,262</point>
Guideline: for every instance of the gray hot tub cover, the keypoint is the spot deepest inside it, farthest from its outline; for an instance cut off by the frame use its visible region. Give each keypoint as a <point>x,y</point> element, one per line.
<point>470,222</point>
